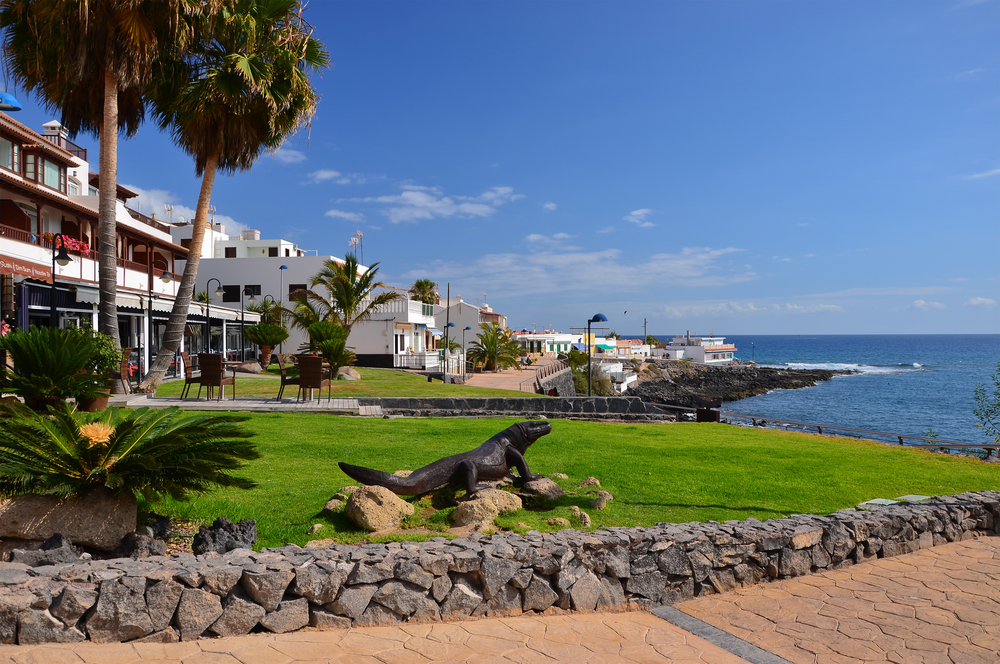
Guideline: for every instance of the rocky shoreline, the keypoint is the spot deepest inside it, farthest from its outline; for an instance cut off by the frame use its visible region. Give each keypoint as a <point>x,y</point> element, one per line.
<point>691,385</point>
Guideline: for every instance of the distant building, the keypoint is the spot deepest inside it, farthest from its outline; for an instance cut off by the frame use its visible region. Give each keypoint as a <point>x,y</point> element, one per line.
<point>701,350</point>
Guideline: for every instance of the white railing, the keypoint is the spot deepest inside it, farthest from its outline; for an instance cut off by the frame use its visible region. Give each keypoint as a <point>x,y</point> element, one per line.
<point>426,360</point>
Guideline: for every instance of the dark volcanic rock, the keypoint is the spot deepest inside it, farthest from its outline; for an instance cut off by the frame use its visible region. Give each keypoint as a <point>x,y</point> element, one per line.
<point>687,384</point>
<point>224,536</point>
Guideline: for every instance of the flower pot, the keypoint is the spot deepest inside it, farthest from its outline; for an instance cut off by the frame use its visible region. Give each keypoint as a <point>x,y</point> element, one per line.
<point>94,404</point>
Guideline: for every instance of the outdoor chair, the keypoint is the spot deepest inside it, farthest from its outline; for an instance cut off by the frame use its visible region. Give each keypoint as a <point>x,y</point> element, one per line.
<point>213,375</point>
<point>122,374</point>
<point>189,378</point>
<point>285,380</point>
<point>312,376</point>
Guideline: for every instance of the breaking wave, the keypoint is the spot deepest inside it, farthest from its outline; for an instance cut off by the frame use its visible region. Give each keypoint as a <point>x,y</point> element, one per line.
<point>867,369</point>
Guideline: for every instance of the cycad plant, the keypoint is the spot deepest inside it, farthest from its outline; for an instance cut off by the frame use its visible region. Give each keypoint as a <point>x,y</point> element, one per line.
<point>153,453</point>
<point>267,336</point>
<point>494,349</point>
<point>330,340</point>
<point>50,366</point>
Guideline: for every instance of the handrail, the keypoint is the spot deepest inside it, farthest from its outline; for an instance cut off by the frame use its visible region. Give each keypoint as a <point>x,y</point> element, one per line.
<point>931,442</point>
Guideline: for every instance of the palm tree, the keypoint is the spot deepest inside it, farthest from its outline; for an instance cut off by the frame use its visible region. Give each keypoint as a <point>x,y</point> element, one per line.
<point>495,349</point>
<point>91,59</point>
<point>239,88</point>
<point>351,295</point>
<point>424,290</point>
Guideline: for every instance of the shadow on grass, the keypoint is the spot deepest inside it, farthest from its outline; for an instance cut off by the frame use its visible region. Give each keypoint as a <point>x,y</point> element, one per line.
<point>730,508</point>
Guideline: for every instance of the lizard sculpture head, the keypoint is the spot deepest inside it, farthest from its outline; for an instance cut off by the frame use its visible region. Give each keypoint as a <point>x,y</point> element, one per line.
<point>530,432</point>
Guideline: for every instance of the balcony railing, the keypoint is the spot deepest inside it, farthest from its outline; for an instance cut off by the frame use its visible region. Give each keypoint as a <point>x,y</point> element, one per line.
<point>424,360</point>
<point>68,145</point>
<point>18,235</point>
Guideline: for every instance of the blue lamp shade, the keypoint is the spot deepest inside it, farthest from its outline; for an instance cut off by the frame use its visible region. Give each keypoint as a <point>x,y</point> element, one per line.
<point>451,325</point>
<point>8,103</point>
<point>283,267</point>
<point>598,318</point>
<point>468,327</point>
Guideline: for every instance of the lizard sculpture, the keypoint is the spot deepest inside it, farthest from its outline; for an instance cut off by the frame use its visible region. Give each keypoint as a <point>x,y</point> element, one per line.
<point>490,461</point>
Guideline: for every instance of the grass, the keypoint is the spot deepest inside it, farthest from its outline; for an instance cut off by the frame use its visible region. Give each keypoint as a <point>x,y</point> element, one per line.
<point>656,472</point>
<point>373,383</point>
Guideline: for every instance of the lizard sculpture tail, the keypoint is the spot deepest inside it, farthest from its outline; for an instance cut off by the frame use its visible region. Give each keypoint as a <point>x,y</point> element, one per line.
<point>370,476</point>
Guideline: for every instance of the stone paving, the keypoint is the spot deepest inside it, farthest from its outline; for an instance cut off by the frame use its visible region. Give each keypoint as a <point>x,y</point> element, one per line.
<point>616,638</point>
<point>938,605</point>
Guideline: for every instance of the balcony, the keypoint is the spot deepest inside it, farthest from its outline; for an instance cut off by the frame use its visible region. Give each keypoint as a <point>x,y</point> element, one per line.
<point>68,145</point>
<point>409,311</point>
<point>425,360</point>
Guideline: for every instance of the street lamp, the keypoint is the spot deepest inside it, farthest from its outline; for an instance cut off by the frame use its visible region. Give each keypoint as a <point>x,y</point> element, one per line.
<point>598,318</point>
<point>243,344</point>
<point>281,290</point>
<point>63,259</point>
<point>467,328</point>
<point>208,313</point>
<point>165,278</point>
<point>447,348</point>
<point>8,103</point>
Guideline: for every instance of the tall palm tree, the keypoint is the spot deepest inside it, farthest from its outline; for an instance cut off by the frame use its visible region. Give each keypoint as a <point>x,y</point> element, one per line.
<point>90,59</point>
<point>424,290</point>
<point>351,292</point>
<point>238,89</point>
<point>495,349</point>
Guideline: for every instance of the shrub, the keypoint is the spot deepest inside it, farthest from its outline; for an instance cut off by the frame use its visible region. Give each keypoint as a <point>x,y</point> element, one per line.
<point>265,334</point>
<point>153,453</point>
<point>50,366</point>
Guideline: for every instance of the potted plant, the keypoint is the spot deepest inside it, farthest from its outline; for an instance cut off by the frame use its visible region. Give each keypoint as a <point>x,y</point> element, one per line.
<point>267,336</point>
<point>107,358</point>
<point>50,366</point>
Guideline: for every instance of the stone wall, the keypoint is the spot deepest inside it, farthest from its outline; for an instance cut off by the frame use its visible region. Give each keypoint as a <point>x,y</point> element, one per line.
<point>591,408</point>
<point>561,382</point>
<point>280,590</point>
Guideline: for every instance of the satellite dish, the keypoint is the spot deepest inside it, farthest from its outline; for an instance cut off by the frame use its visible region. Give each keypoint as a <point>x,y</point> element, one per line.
<point>181,221</point>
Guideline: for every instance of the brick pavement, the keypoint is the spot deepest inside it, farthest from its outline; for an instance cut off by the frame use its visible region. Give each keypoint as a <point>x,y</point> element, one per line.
<point>616,638</point>
<point>938,605</point>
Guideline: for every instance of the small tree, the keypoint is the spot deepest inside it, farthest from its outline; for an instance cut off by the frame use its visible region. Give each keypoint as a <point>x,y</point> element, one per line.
<point>494,349</point>
<point>424,290</point>
<point>988,407</point>
<point>267,336</point>
<point>651,341</point>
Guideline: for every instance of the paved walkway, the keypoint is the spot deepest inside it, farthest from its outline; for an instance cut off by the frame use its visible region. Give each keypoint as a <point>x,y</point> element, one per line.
<point>508,379</point>
<point>936,605</point>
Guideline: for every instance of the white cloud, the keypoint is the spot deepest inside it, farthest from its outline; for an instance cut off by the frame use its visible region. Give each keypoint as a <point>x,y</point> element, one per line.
<point>981,302</point>
<point>925,306</point>
<point>417,202</point>
<point>607,229</point>
<point>550,206</point>
<point>289,156</point>
<point>550,268</point>
<point>150,201</point>
<point>966,75</point>
<point>323,175</point>
<point>783,260</point>
<point>987,174</point>
<point>340,214</point>
<point>712,309</point>
<point>639,217</point>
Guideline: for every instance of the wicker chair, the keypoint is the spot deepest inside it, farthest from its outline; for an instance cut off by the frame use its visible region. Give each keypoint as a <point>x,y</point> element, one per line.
<point>213,375</point>
<point>122,374</point>
<point>189,378</point>
<point>285,380</point>
<point>312,376</point>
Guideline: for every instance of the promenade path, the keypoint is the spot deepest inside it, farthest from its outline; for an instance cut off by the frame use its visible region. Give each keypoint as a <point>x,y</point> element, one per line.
<point>508,379</point>
<point>939,605</point>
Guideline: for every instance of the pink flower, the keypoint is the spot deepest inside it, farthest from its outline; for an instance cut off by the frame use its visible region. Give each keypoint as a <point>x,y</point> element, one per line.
<point>4,328</point>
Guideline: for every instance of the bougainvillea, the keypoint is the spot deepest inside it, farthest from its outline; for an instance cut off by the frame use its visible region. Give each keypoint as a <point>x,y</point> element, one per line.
<point>72,244</point>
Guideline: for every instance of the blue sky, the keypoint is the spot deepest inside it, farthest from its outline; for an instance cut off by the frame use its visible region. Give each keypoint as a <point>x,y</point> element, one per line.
<point>727,167</point>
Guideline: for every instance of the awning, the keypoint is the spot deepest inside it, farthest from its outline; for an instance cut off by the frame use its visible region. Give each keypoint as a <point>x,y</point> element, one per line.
<point>435,332</point>
<point>605,347</point>
<point>580,346</point>
<point>88,295</point>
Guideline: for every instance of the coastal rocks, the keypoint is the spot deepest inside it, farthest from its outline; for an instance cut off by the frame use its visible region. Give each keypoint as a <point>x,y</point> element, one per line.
<point>98,520</point>
<point>376,508</point>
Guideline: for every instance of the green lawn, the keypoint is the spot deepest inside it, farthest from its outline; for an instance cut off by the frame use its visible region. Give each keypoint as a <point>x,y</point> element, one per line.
<point>657,472</point>
<point>373,383</point>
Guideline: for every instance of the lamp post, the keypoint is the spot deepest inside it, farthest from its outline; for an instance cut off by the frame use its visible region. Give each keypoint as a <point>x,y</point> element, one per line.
<point>208,322</point>
<point>165,278</point>
<point>598,318</point>
<point>281,291</point>
<point>753,353</point>
<point>63,259</point>
<point>467,328</point>
<point>447,348</point>
<point>8,103</point>
<point>243,344</point>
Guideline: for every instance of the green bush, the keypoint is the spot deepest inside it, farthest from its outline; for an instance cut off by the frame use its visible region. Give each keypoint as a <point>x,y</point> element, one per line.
<point>266,334</point>
<point>153,453</point>
<point>50,366</point>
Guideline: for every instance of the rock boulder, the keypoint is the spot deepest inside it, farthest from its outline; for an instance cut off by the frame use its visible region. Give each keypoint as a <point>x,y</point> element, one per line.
<point>377,508</point>
<point>98,520</point>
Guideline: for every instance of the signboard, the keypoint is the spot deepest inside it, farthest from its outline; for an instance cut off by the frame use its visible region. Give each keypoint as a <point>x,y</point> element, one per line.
<point>25,268</point>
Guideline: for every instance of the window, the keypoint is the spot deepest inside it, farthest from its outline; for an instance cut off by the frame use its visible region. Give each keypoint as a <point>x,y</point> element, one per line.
<point>231,293</point>
<point>186,243</point>
<point>9,155</point>
<point>272,252</point>
<point>29,166</point>
<point>287,253</point>
<point>51,175</point>
<point>294,287</point>
<point>73,189</point>
<point>230,252</point>
<point>255,289</point>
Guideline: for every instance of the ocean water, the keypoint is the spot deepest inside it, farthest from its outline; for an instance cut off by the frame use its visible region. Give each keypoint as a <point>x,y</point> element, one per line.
<point>906,384</point>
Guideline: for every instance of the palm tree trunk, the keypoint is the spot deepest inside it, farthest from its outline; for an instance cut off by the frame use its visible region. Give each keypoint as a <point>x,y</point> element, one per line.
<point>108,253</point>
<point>179,312</point>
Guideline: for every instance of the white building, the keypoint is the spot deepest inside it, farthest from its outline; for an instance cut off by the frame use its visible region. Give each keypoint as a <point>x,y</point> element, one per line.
<point>701,350</point>
<point>464,315</point>
<point>400,334</point>
<point>547,342</point>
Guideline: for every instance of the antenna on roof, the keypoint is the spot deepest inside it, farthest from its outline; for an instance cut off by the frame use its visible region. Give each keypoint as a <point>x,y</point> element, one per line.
<point>212,209</point>
<point>169,209</point>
